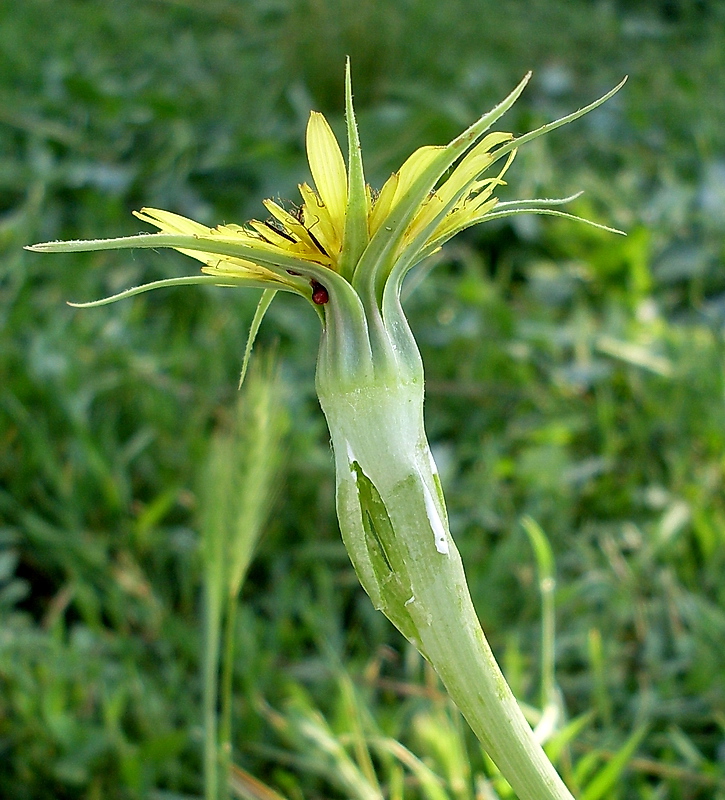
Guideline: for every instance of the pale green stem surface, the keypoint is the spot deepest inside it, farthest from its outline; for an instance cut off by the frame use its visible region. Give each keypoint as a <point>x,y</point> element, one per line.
<point>393,520</point>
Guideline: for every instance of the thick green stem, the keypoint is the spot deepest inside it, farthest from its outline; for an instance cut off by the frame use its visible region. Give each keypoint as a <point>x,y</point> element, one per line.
<point>393,521</point>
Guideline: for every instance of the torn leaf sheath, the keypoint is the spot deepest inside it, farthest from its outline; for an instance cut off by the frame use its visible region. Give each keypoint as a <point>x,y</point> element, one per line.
<point>383,464</point>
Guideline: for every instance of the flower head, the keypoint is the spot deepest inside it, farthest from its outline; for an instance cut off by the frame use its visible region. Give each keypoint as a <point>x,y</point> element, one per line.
<point>316,231</point>
<point>346,245</point>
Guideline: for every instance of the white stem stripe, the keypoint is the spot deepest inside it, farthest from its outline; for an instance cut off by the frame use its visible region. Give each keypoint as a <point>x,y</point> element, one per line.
<point>439,532</point>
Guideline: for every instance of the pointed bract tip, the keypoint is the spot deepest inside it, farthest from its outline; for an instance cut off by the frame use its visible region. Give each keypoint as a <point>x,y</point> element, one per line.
<point>56,246</point>
<point>523,82</point>
<point>348,82</point>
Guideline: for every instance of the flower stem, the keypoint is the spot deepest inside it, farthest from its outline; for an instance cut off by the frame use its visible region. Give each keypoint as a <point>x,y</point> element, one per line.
<point>393,520</point>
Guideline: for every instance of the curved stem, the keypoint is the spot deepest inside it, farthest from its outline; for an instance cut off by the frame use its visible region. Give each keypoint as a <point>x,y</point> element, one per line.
<point>393,521</point>
<point>455,644</point>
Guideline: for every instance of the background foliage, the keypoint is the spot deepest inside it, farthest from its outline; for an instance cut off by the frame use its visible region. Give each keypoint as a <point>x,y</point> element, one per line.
<point>573,376</point>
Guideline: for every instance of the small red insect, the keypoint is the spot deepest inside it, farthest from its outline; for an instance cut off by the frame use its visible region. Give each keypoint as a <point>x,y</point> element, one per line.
<point>319,293</point>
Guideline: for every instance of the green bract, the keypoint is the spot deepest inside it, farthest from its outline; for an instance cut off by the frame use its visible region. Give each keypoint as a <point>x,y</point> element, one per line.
<point>347,251</point>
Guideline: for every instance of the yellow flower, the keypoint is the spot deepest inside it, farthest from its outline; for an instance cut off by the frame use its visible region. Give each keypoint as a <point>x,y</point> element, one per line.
<point>315,231</point>
<point>343,228</point>
<point>347,249</point>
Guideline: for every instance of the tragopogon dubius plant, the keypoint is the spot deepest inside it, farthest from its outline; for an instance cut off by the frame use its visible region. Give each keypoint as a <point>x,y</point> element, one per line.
<point>347,250</point>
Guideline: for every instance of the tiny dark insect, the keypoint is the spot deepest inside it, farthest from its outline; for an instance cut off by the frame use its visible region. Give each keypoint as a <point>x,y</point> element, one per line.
<point>319,293</point>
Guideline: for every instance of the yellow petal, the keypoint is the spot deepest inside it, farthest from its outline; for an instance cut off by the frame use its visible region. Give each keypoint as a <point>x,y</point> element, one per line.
<point>169,222</point>
<point>319,222</point>
<point>233,267</point>
<point>328,169</point>
<point>383,203</point>
<point>418,162</point>
<point>232,229</point>
<point>509,161</point>
<point>486,206</point>
<point>463,217</point>
<point>282,240</point>
<point>460,182</point>
<point>309,249</point>
<point>473,164</point>
<point>475,200</point>
<point>292,224</point>
<point>237,233</point>
<point>431,207</point>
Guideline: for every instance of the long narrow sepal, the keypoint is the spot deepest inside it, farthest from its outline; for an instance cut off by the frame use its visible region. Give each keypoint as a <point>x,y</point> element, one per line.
<point>191,280</point>
<point>557,123</point>
<point>279,263</point>
<point>551,212</point>
<point>356,224</point>
<point>376,263</point>
<point>415,252</point>
<point>436,244</point>
<point>265,301</point>
<point>345,353</point>
<point>541,202</point>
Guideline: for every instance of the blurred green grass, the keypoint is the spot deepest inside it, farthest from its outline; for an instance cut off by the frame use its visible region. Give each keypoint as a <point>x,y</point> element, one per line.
<point>572,376</point>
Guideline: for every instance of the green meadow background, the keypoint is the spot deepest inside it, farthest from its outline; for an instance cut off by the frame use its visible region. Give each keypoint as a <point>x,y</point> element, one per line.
<point>573,376</point>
